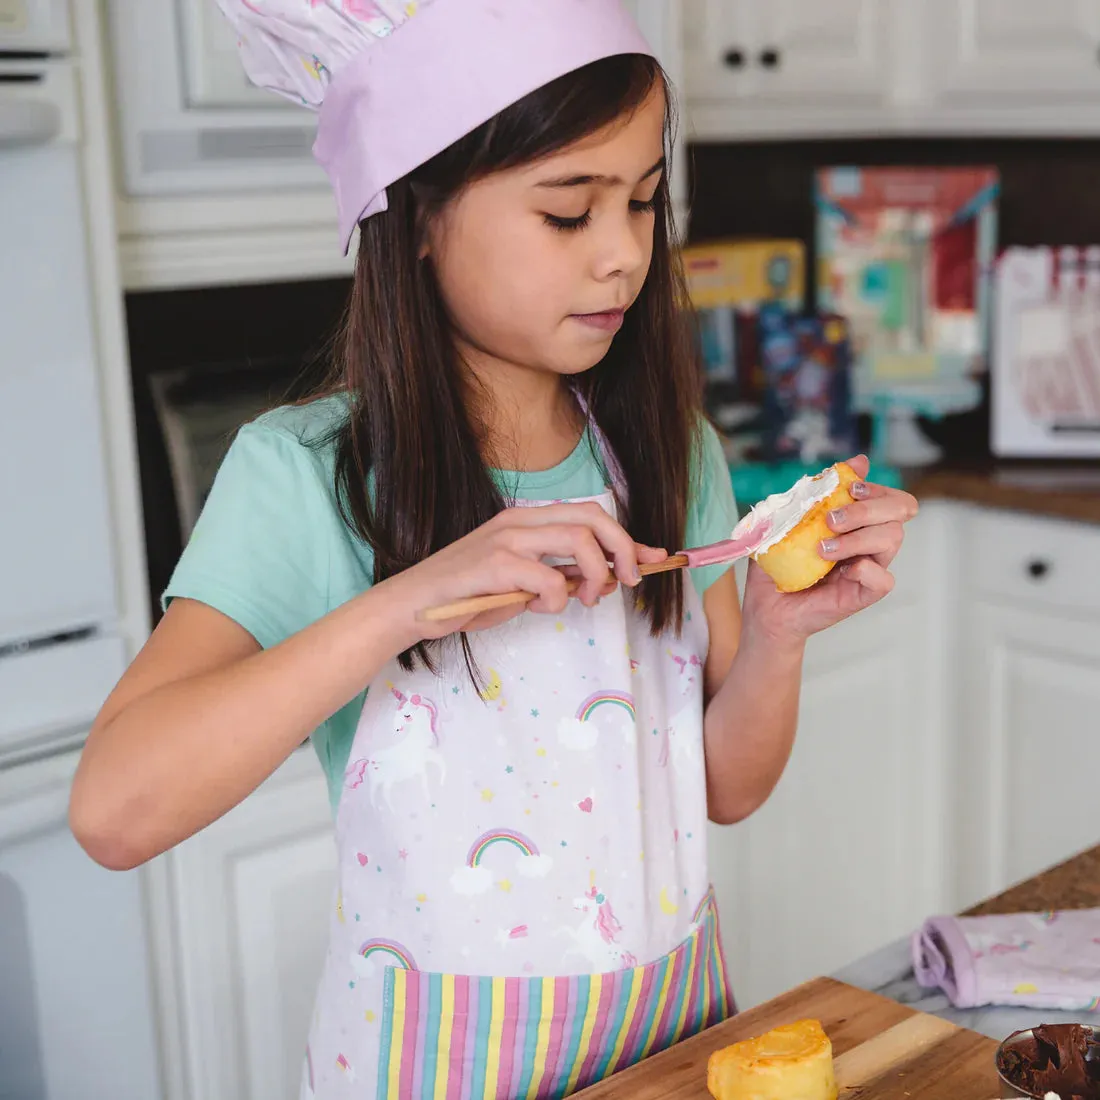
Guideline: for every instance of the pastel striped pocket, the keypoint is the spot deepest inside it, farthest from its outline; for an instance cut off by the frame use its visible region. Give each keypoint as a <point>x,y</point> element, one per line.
<point>453,1037</point>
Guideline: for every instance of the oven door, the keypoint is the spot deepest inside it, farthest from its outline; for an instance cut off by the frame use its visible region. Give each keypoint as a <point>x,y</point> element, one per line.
<point>34,26</point>
<point>76,998</point>
<point>56,572</point>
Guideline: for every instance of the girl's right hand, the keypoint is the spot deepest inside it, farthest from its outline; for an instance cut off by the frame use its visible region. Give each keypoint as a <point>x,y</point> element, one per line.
<point>506,554</point>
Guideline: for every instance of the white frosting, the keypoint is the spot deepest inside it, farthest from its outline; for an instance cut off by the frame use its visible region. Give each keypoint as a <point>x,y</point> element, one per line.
<point>784,511</point>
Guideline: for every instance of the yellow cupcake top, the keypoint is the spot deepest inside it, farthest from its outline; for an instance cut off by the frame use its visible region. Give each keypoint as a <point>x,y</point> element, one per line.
<point>782,1045</point>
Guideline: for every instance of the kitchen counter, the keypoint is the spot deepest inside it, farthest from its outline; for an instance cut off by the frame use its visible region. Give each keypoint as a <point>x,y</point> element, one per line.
<point>1074,884</point>
<point>1064,492</point>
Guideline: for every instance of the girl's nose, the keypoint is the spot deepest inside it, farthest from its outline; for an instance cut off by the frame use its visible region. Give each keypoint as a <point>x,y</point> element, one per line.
<point>622,250</point>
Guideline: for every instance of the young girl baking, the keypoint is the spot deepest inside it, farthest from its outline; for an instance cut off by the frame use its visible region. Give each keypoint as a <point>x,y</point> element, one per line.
<point>521,797</point>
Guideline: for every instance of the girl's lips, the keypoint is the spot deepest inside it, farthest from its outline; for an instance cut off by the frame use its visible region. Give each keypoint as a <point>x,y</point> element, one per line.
<point>610,320</point>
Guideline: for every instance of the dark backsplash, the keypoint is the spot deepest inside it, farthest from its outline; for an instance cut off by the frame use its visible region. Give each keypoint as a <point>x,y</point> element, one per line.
<point>283,329</point>
<point>1050,194</point>
<point>233,324</point>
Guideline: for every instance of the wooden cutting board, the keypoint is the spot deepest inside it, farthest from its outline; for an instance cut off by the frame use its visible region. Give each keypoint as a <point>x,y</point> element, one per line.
<point>882,1051</point>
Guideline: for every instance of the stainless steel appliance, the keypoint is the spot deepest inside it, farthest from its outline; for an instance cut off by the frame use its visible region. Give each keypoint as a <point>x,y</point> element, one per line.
<point>75,997</point>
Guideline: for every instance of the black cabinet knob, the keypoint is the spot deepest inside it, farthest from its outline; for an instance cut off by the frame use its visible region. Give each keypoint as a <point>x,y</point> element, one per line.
<point>1037,568</point>
<point>770,58</point>
<point>734,59</point>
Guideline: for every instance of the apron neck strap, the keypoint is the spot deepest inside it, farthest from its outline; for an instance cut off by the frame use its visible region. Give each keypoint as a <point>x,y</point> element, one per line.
<point>607,455</point>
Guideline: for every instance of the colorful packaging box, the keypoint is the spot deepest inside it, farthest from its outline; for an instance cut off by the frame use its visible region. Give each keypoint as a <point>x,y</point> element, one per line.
<point>905,254</point>
<point>806,362</point>
<point>728,281</point>
<point>1046,359</point>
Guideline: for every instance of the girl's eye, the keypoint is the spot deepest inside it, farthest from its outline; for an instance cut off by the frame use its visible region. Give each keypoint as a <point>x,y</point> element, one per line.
<point>566,224</point>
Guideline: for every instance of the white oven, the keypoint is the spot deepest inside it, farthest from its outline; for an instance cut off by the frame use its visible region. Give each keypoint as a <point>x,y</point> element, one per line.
<point>190,121</point>
<point>60,649</point>
<point>75,993</point>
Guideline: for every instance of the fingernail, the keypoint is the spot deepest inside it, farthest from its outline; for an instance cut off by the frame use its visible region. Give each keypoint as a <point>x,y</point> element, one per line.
<point>828,546</point>
<point>858,489</point>
<point>844,567</point>
<point>836,517</point>
<point>636,575</point>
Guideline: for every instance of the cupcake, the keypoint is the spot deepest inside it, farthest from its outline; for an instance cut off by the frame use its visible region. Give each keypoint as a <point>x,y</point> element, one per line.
<point>792,1062</point>
<point>795,525</point>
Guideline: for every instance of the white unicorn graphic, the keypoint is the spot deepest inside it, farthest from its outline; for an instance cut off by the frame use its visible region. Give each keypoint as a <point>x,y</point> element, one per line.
<point>681,737</point>
<point>596,938</point>
<point>416,722</point>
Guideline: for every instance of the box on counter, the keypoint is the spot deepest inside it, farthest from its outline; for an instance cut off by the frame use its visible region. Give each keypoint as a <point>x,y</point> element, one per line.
<point>1046,361</point>
<point>727,282</point>
<point>806,362</point>
<point>905,254</point>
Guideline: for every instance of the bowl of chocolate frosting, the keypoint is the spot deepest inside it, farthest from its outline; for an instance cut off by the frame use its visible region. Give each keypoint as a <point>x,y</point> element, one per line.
<point>1063,1059</point>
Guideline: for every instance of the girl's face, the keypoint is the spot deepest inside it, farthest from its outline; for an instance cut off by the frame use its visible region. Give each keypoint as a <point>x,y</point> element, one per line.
<point>536,264</point>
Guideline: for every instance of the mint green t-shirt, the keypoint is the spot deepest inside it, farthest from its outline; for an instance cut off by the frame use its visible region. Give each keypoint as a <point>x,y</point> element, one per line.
<point>271,551</point>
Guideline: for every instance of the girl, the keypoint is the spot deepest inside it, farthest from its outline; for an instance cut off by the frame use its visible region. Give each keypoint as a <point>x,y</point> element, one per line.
<point>520,799</point>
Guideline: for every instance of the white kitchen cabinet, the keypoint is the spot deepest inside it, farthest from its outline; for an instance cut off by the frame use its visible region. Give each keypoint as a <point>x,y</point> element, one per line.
<point>757,68</point>
<point>76,1020</point>
<point>1016,51</point>
<point>241,911</point>
<point>846,853</point>
<point>1029,705</point>
<point>1029,798</point>
<point>787,50</point>
<point>891,67</point>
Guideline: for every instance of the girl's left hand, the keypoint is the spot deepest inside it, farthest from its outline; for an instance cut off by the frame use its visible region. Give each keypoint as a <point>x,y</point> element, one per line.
<point>868,535</point>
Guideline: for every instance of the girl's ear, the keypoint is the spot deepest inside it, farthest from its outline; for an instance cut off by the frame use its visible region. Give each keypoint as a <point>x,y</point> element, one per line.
<point>423,232</point>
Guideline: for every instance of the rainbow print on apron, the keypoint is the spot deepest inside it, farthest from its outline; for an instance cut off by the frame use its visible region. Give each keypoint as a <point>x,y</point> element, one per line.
<point>451,1037</point>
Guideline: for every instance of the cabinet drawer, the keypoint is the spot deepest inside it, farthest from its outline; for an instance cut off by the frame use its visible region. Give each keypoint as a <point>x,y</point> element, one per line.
<point>1030,559</point>
<point>47,695</point>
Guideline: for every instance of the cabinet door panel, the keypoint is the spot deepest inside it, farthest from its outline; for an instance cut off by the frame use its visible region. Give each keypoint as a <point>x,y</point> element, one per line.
<point>804,53</point>
<point>1030,745</point>
<point>835,49</point>
<point>248,901</point>
<point>1018,48</point>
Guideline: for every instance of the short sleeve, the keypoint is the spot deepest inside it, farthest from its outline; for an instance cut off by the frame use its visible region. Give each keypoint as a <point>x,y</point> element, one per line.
<point>712,510</point>
<point>260,549</point>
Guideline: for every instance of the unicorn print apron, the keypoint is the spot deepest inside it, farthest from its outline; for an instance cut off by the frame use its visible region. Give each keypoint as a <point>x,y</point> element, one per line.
<point>523,903</point>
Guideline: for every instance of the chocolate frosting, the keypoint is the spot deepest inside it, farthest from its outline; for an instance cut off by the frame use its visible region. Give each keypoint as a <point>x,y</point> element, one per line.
<point>1061,1058</point>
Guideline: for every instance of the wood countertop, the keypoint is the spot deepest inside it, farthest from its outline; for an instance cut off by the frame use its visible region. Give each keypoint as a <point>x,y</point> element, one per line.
<point>1071,493</point>
<point>1074,884</point>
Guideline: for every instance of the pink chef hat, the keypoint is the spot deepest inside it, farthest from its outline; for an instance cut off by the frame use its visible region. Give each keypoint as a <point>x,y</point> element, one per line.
<point>398,82</point>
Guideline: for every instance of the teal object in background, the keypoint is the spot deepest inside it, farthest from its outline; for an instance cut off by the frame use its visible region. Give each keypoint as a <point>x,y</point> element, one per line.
<point>753,481</point>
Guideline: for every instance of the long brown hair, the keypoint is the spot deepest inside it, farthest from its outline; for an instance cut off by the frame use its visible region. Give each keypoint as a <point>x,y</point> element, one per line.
<point>410,473</point>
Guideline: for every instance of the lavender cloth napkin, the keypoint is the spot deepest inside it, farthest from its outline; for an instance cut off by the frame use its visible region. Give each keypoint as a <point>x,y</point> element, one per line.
<point>1034,960</point>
